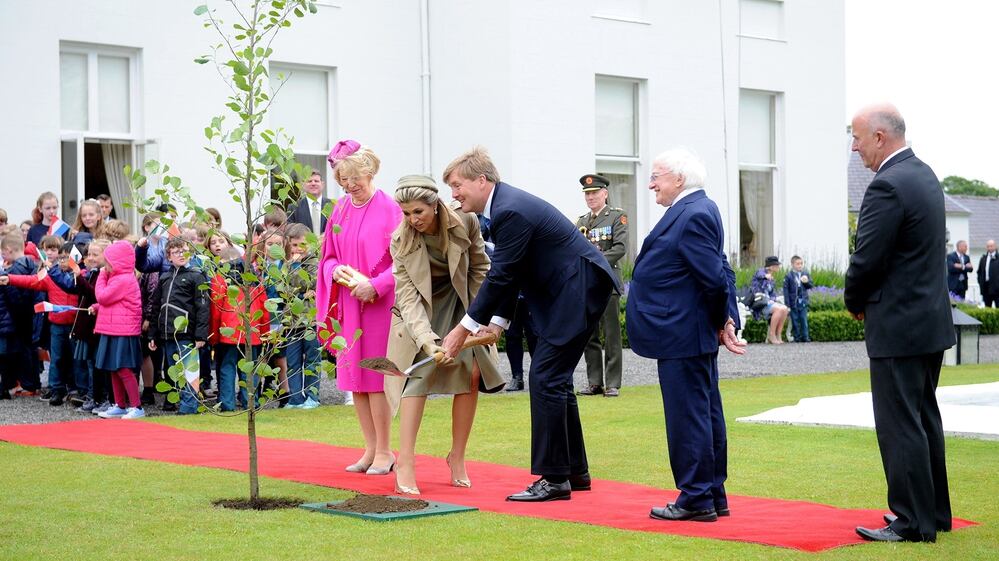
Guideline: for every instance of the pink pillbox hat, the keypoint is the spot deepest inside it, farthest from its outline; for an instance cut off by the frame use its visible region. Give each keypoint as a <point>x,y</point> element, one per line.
<point>342,149</point>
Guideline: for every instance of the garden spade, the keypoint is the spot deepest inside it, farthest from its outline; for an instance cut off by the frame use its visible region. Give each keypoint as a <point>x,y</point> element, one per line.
<point>385,366</point>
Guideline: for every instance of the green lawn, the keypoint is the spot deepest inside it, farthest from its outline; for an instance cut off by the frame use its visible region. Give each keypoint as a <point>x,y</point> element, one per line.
<point>64,505</point>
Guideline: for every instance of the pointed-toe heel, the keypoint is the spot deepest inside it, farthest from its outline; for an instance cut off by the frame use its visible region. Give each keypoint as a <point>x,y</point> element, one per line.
<point>358,467</point>
<point>381,470</point>
<point>463,483</point>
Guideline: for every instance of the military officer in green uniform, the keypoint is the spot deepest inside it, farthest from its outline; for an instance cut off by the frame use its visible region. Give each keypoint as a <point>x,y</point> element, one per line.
<point>607,228</point>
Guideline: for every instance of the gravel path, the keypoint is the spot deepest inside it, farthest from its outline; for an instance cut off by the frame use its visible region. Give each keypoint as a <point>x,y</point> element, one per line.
<point>761,360</point>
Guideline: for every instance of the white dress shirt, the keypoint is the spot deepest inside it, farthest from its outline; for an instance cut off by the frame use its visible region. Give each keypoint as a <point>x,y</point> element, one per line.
<point>467,322</point>
<point>890,156</point>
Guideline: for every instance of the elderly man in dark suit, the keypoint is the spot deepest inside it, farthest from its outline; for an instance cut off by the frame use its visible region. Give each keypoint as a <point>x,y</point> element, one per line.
<point>988,274</point>
<point>566,284</point>
<point>309,210</point>
<point>681,305</point>
<point>894,285</point>
<point>958,267</point>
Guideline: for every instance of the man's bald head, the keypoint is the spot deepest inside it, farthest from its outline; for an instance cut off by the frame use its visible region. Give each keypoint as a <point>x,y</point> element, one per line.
<point>878,130</point>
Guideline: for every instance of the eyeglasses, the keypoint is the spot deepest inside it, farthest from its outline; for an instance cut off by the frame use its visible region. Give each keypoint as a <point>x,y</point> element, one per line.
<point>655,176</point>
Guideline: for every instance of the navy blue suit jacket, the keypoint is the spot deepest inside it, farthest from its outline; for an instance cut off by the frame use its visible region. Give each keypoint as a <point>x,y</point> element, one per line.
<point>540,253</point>
<point>683,289</point>
<point>957,279</point>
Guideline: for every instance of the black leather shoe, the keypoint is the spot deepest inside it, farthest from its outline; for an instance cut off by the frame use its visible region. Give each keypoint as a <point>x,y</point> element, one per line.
<point>723,511</point>
<point>515,385</point>
<point>580,482</point>
<point>543,490</point>
<point>673,512</point>
<point>885,534</point>
<point>612,392</point>
<point>592,389</point>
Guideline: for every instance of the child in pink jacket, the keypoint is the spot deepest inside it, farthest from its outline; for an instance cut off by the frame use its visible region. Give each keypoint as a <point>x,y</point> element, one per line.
<point>119,324</point>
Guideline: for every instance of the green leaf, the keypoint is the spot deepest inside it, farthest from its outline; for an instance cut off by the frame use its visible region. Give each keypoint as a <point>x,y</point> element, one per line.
<point>200,10</point>
<point>276,252</point>
<point>227,331</point>
<point>245,365</point>
<point>249,277</point>
<point>163,386</point>
<point>180,323</point>
<point>239,68</point>
<point>201,60</point>
<point>338,343</point>
<point>173,397</point>
<point>357,334</point>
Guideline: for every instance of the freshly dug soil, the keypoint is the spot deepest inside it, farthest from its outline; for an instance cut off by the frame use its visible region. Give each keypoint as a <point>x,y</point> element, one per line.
<point>378,504</point>
<point>378,364</point>
<point>263,503</point>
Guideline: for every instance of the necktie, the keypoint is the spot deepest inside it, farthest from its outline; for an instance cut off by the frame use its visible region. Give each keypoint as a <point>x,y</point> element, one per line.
<point>988,265</point>
<point>486,232</point>
<point>316,217</point>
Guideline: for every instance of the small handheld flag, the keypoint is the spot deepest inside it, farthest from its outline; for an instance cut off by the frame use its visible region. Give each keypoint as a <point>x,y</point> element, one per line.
<point>43,307</point>
<point>58,227</point>
<point>159,230</point>
<point>75,255</point>
<point>74,266</point>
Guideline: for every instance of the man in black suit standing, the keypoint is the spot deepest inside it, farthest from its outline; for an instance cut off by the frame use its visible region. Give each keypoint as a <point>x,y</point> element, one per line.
<point>988,274</point>
<point>958,267</point>
<point>894,285</point>
<point>566,284</point>
<point>309,210</point>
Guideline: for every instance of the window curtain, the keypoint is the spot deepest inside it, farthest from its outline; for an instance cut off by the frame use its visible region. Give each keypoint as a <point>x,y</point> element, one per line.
<point>116,157</point>
<point>751,193</point>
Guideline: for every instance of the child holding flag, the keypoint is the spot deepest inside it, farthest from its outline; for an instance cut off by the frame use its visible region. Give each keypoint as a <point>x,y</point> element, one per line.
<point>45,219</point>
<point>119,323</point>
<point>64,371</point>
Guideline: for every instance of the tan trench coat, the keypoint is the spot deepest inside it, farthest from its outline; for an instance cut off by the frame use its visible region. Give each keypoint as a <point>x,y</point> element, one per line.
<point>468,262</point>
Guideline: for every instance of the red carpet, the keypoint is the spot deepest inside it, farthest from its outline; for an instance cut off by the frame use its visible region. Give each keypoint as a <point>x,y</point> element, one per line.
<point>793,524</point>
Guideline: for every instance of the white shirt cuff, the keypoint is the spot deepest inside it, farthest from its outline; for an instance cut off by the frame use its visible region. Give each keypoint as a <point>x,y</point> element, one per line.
<point>470,324</point>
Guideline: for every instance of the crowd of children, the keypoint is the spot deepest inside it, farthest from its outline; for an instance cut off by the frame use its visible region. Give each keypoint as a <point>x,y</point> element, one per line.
<point>103,315</point>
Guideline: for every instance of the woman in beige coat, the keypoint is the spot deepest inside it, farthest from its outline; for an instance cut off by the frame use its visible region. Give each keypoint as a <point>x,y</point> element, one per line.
<point>439,262</point>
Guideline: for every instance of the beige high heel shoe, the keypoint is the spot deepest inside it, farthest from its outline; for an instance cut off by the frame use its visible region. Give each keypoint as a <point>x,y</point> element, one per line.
<point>359,467</point>
<point>372,470</point>
<point>403,490</point>
<point>463,483</point>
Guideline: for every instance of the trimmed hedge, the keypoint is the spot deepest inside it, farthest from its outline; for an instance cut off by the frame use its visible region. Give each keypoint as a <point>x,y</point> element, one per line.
<point>830,323</point>
<point>822,326</point>
<point>988,316</point>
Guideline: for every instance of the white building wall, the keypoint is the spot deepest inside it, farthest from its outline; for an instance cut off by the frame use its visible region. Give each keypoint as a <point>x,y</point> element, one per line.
<point>810,198</point>
<point>513,75</point>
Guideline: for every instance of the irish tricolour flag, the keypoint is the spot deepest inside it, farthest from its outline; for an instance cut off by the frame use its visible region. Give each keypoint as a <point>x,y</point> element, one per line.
<point>43,307</point>
<point>58,227</point>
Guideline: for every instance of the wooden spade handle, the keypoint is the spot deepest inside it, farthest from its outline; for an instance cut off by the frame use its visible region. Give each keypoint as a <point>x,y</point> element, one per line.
<point>473,341</point>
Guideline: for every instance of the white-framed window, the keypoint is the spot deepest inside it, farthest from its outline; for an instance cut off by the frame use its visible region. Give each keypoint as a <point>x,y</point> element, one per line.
<point>617,142</point>
<point>758,175</point>
<point>303,106</point>
<point>632,11</point>
<point>762,19</point>
<point>99,90</point>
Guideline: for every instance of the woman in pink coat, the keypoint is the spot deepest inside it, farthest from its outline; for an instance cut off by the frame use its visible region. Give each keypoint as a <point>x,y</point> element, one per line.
<point>356,290</point>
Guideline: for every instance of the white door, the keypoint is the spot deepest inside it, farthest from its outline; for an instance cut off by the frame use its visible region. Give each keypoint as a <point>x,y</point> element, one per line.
<point>73,185</point>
